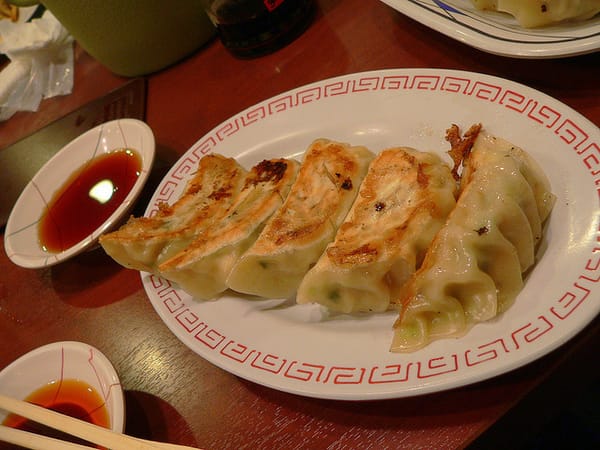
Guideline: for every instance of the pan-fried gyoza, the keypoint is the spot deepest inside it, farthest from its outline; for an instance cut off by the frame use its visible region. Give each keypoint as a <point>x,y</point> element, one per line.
<point>356,232</point>
<point>474,267</point>
<point>204,265</point>
<point>402,203</point>
<point>144,242</point>
<point>297,234</point>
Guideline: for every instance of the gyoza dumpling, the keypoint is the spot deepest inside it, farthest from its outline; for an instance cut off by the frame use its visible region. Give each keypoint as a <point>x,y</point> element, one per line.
<point>297,234</point>
<point>473,269</point>
<point>203,266</point>
<point>402,203</point>
<point>143,242</point>
<point>537,13</point>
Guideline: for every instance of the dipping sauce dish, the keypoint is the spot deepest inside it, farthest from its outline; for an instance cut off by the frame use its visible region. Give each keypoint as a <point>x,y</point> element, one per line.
<point>86,189</point>
<point>69,377</point>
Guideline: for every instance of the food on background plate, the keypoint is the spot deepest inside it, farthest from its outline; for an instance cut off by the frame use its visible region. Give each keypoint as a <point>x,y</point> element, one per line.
<point>144,242</point>
<point>296,235</point>
<point>539,13</point>
<point>8,11</point>
<point>474,267</point>
<point>403,201</point>
<point>202,267</point>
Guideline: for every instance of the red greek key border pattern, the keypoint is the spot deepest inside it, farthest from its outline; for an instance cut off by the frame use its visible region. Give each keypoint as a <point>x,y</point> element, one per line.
<point>565,128</point>
<point>408,370</point>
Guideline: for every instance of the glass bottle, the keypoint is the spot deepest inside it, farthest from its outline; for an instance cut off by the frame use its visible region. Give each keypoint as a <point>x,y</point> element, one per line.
<point>250,28</point>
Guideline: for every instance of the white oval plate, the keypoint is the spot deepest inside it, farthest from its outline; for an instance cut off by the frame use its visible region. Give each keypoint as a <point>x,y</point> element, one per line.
<point>21,239</point>
<point>289,347</point>
<point>500,33</point>
<point>58,361</point>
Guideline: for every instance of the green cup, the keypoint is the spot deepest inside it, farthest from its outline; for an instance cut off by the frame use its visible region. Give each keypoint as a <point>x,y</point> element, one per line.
<point>133,37</point>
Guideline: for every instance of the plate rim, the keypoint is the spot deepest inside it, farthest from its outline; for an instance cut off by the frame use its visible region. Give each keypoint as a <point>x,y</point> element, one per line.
<point>477,38</point>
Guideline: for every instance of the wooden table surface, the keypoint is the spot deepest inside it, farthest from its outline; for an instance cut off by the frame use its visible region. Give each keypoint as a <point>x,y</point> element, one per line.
<point>171,393</point>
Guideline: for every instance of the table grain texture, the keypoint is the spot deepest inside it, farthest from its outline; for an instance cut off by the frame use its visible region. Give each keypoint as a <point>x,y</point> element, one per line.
<point>176,396</point>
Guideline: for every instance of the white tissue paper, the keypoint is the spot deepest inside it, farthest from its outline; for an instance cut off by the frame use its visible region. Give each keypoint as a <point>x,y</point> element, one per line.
<point>41,63</point>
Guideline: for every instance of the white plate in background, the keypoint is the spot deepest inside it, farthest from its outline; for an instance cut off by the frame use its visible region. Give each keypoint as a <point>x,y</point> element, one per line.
<point>500,33</point>
<point>289,347</point>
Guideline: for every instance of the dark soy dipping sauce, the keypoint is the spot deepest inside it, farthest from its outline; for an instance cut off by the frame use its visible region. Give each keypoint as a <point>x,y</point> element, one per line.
<point>88,198</point>
<point>74,398</point>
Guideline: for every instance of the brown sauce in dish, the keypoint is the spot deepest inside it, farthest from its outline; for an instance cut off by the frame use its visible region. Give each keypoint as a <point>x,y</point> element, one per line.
<point>74,398</point>
<point>88,198</point>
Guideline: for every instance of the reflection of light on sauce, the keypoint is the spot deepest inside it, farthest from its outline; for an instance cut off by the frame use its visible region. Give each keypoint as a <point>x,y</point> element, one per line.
<point>88,198</point>
<point>74,398</point>
<point>103,191</point>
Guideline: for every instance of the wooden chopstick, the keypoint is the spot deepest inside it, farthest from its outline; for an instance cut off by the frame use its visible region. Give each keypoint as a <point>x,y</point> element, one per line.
<point>36,441</point>
<point>80,428</point>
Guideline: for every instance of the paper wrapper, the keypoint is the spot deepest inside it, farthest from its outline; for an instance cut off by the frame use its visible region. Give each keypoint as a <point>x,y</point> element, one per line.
<point>41,63</point>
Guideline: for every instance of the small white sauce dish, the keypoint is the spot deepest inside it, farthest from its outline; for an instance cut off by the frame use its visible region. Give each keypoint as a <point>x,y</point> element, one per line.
<point>66,360</point>
<point>21,237</point>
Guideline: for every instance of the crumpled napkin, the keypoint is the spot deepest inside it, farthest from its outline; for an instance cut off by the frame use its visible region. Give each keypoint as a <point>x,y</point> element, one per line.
<point>41,63</point>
